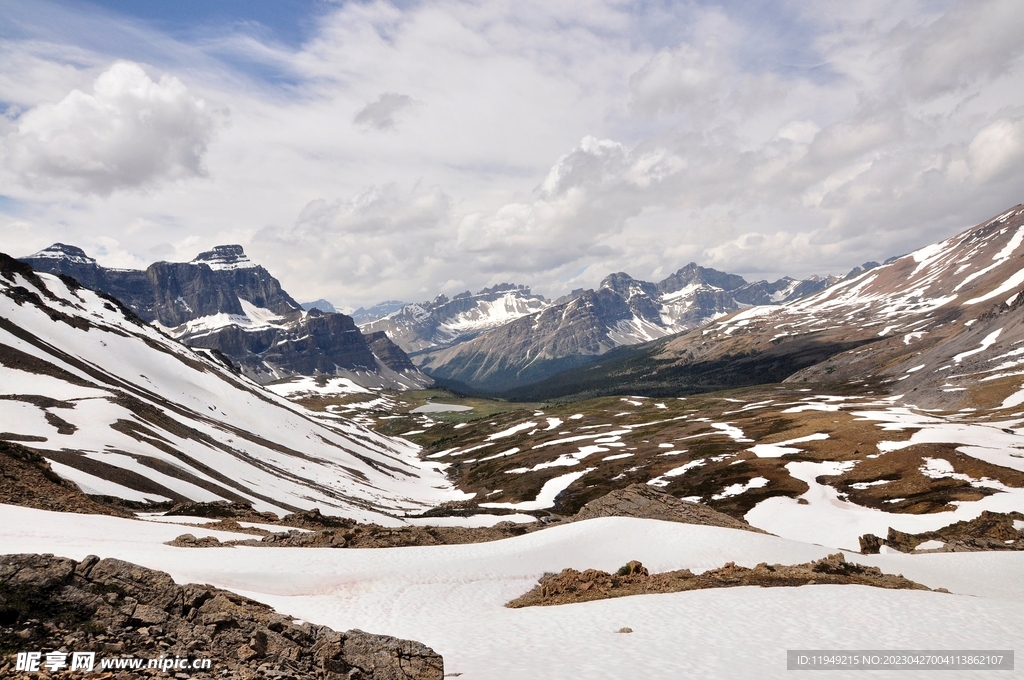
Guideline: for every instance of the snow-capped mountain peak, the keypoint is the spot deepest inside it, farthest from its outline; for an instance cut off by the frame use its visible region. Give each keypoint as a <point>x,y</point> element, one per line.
<point>225,257</point>
<point>61,251</point>
<point>445,321</point>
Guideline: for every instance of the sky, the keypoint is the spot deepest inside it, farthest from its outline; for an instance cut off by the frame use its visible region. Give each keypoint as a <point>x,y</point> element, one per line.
<point>364,151</point>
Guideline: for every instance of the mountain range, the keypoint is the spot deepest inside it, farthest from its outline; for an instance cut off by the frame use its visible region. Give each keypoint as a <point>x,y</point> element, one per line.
<point>500,338</point>
<point>223,302</point>
<point>576,331</point>
<point>902,384</point>
<point>942,323</point>
<point>117,407</point>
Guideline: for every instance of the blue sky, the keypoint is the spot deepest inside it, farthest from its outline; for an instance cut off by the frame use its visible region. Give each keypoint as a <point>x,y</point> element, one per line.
<point>290,22</point>
<point>373,150</point>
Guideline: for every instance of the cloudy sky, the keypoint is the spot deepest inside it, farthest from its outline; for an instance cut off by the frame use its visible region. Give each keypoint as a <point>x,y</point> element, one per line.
<point>365,151</point>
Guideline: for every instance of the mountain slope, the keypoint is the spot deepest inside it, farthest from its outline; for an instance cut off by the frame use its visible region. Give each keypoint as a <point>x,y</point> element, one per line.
<point>221,300</point>
<point>124,411</point>
<point>942,323</point>
<point>622,311</point>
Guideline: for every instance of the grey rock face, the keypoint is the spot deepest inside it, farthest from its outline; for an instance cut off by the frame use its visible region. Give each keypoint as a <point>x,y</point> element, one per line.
<point>116,608</point>
<point>319,343</point>
<point>390,354</point>
<point>221,282</point>
<point>173,293</point>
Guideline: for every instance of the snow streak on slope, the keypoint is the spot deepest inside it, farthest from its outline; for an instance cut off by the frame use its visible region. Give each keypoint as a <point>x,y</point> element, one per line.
<point>125,410</point>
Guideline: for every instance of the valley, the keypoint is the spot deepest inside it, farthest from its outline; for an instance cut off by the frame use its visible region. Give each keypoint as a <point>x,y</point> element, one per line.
<point>879,416</point>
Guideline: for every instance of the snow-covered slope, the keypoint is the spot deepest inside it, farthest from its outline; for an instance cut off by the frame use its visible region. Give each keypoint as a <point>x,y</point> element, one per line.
<point>122,410</point>
<point>943,324</point>
<point>451,597</point>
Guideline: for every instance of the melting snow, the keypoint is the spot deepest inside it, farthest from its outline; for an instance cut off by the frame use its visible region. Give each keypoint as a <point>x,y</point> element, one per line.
<point>548,493</point>
<point>511,431</point>
<point>737,489</point>
<point>780,449</point>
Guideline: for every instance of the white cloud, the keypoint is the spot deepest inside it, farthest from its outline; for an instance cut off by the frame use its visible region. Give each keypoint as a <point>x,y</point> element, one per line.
<point>379,238</point>
<point>787,139</point>
<point>974,40</point>
<point>587,195</point>
<point>997,148</point>
<point>129,132</point>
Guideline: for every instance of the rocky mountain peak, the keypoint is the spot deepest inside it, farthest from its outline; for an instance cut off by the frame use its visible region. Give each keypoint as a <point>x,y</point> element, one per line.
<point>626,286</point>
<point>61,251</point>
<point>225,257</point>
<point>695,274</point>
<point>504,287</point>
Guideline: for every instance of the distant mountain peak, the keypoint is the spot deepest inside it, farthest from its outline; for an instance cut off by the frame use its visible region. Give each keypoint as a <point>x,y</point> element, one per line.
<point>321,304</point>
<point>225,257</point>
<point>695,274</point>
<point>61,251</point>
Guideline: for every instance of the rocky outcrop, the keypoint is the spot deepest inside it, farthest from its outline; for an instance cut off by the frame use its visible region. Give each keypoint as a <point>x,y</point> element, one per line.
<point>318,343</point>
<point>323,531</point>
<point>27,480</point>
<point>989,531</point>
<point>117,609</point>
<point>390,354</point>
<point>571,585</point>
<point>173,293</point>
<point>641,500</point>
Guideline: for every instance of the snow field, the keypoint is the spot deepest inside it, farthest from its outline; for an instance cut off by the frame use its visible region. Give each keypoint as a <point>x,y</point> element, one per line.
<point>451,597</point>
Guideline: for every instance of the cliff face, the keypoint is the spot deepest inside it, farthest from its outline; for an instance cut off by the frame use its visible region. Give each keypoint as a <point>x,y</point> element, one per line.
<point>174,293</point>
<point>223,301</point>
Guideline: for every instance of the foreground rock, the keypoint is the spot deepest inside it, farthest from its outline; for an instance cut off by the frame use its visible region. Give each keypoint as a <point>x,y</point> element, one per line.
<point>641,500</point>
<point>989,531</point>
<point>120,610</point>
<point>632,579</point>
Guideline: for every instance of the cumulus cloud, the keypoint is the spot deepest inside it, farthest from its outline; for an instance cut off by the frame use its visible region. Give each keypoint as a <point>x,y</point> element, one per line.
<point>128,132</point>
<point>380,114</point>
<point>781,139</point>
<point>997,148</point>
<point>586,196</point>
<point>378,239</point>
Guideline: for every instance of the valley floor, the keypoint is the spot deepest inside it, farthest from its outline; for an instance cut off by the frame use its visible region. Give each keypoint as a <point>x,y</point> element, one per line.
<point>452,598</point>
